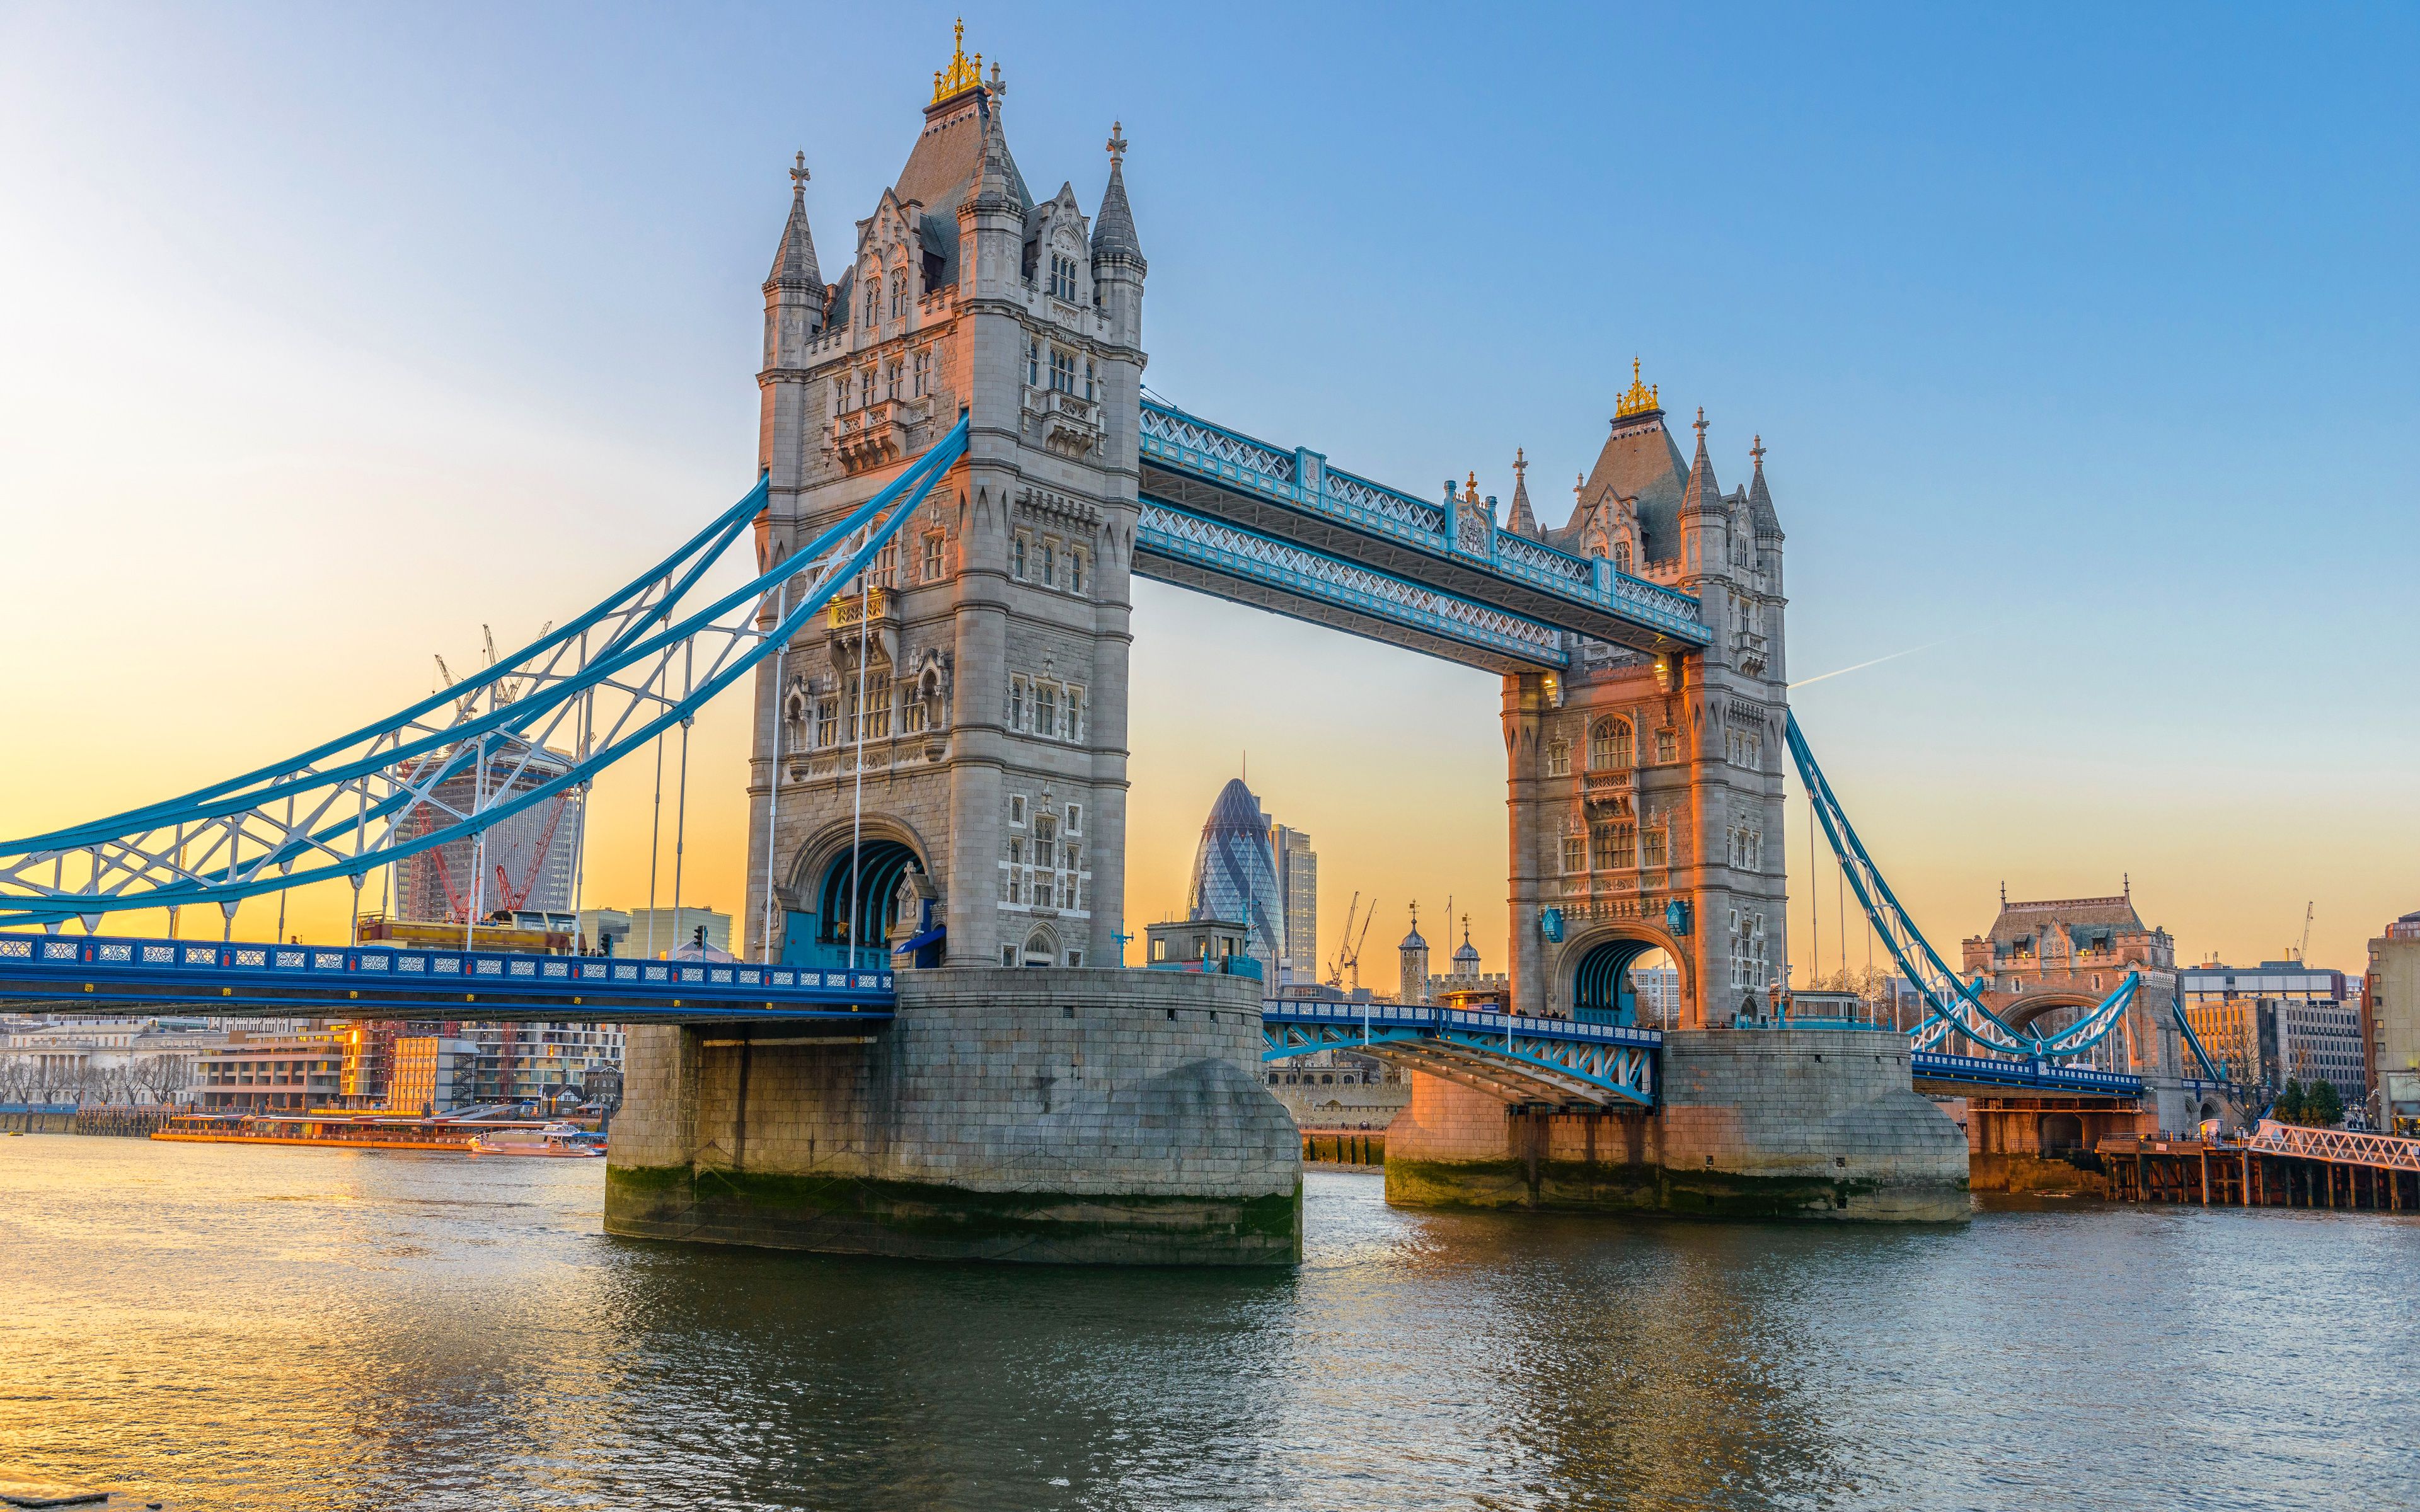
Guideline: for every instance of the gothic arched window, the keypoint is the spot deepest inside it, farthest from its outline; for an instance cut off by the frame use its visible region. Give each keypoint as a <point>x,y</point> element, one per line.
<point>1622,557</point>
<point>1610,746</point>
<point>898,295</point>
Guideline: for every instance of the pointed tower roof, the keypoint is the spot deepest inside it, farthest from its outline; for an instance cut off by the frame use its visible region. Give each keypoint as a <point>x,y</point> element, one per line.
<point>1114,230</point>
<point>1466,958</point>
<point>997,183</point>
<point>1521,521</point>
<point>1759,502</point>
<point>794,264</point>
<point>1702,491</point>
<point>1413,940</point>
<point>1642,463</point>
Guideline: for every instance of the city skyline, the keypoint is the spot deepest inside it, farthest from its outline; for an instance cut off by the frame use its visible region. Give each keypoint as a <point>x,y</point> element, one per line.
<point>2054,731</point>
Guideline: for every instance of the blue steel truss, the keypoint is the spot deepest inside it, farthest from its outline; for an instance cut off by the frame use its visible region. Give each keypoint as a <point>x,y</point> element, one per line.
<point>349,806</point>
<point>1449,532</point>
<point>1515,1057</point>
<point>370,982</point>
<point>2025,1076</point>
<point>1953,1007</point>
<point>1175,544</point>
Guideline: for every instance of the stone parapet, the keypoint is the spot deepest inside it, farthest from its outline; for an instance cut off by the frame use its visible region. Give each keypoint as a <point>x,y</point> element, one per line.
<point>1806,1123</point>
<point>1059,1115</point>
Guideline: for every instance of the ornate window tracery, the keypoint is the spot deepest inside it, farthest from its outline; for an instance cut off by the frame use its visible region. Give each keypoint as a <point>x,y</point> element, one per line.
<point>1610,746</point>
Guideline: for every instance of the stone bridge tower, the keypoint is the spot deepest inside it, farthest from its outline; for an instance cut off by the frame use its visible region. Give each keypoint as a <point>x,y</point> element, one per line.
<point>1645,792</point>
<point>990,640</point>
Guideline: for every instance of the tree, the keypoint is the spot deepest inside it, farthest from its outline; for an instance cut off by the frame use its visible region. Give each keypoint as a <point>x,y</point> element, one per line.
<point>2322,1105</point>
<point>2289,1106</point>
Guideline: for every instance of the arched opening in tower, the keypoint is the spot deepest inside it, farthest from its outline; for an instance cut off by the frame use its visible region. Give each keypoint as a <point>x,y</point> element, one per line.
<point>1627,982</point>
<point>869,883</point>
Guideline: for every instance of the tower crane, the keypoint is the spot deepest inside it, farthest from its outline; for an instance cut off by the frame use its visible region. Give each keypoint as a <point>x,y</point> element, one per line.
<point>2303,951</point>
<point>1348,945</point>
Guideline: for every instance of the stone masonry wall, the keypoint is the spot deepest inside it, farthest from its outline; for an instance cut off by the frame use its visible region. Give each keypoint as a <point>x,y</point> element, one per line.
<point>1749,1123</point>
<point>1072,1115</point>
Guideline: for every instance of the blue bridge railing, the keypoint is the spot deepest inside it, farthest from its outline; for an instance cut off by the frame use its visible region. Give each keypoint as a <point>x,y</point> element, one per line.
<point>474,983</point>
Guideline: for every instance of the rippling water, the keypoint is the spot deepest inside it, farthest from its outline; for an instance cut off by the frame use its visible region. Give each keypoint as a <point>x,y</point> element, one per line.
<point>280,1328</point>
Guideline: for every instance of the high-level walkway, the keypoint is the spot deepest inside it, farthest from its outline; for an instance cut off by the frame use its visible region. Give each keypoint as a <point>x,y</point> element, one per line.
<point>1244,520</point>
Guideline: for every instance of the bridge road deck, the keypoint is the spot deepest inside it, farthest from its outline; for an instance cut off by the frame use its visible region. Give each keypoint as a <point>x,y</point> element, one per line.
<point>238,978</point>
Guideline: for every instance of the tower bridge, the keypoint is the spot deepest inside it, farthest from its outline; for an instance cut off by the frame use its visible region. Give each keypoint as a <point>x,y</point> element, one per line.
<point>958,479</point>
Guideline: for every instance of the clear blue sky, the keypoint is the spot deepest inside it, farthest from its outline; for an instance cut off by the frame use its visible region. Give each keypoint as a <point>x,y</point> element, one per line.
<point>2081,338</point>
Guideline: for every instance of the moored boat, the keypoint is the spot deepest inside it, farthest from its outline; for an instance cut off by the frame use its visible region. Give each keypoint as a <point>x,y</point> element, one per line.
<point>341,1131</point>
<point>558,1141</point>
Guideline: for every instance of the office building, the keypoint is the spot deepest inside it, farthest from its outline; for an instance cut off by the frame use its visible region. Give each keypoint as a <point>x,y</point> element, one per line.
<point>1298,867</point>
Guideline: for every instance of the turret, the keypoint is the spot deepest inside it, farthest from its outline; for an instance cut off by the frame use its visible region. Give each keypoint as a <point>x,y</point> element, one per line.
<point>1118,265</point>
<point>794,317</point>
<point>1523,520</point>
<point>991,219</point>
<point>1413,981</point>
<point>1703,514</point>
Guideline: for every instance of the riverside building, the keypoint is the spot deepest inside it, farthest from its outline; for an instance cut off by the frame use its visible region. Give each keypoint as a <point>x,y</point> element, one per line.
<point>2392,995</point>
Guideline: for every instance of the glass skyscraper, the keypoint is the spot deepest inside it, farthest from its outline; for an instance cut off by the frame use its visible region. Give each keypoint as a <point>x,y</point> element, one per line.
<point>1235,875</point>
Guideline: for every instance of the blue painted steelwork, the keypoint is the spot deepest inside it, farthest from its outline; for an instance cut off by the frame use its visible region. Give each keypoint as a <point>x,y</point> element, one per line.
<point>1301,482</point>
<point>1512,1056</point>
<point>2215,1071</point>
<point>108,974</point>
<point>1953,1007</point>
<point>1982,1071</point>
<point>314,819</point>
<point>1325,590</point>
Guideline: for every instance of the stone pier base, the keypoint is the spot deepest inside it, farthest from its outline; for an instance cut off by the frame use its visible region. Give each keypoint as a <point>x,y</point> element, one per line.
<point>1791,1123</point>
<point>1090,1116</point>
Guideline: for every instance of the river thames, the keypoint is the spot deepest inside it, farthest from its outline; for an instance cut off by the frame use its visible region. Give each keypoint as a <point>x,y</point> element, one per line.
<point>263,1329</point>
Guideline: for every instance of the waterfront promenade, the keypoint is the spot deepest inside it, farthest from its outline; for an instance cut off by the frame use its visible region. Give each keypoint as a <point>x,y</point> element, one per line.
<point>310,1328</point>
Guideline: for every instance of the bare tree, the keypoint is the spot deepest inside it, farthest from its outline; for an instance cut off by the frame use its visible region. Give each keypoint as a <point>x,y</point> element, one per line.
<point>159,1077</point>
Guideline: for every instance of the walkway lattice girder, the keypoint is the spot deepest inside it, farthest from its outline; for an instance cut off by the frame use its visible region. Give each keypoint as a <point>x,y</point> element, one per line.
<point>1187,549</point>
<point>1454,547</point>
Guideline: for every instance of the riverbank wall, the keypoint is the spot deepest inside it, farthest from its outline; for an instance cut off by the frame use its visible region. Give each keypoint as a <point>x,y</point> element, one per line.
<point>1758,1124</point>
<point>1070,1116</point>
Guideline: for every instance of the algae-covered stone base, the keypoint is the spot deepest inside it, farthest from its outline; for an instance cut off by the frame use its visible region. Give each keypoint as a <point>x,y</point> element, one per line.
<point>1076,1115</point>
<point>1751,1125</point>
<point>838,1215</point>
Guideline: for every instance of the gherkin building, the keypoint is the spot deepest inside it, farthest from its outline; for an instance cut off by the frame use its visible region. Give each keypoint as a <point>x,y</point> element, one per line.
<point>1236,877</point>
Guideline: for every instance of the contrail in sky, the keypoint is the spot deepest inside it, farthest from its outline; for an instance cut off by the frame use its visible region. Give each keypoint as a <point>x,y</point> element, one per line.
<point>1876,662</point>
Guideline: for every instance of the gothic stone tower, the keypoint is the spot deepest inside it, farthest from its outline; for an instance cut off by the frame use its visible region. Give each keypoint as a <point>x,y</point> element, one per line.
<point>991,639</point>
<point>1079,1115</point>
<point>1646,791</point>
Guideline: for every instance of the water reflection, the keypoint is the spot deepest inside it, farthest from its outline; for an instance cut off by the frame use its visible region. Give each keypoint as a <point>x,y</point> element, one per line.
<point>259,1329</point>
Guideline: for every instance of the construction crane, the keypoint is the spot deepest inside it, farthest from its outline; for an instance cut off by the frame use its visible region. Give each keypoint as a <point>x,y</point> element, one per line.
<point>1348,945</point>
<point>2303,951</point>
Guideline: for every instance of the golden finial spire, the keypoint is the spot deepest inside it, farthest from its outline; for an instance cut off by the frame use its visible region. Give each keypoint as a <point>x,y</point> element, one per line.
<point>1640,399</point>
<point>1520,462</point>
<point>960,75</point>
<point>1470,490</point>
